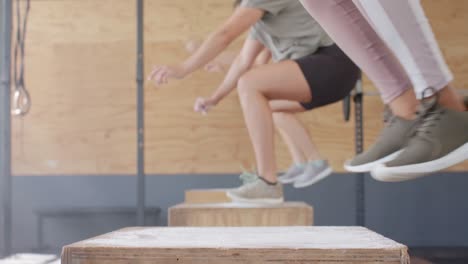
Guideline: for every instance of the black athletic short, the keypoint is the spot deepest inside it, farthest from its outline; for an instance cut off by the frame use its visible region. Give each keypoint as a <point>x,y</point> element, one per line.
<point>331,75</point>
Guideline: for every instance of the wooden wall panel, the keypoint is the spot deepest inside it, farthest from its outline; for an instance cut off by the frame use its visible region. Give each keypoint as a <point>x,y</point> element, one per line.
<point>81,75</point>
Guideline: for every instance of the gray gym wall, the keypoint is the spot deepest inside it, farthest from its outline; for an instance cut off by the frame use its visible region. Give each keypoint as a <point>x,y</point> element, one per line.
<point>427,212</point>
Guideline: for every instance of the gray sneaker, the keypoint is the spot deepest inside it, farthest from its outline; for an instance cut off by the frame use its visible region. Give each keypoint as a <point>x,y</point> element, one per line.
<point>257,191</point>
<point>291,174</point>
<point>394,136</point>
<point>314,172</point>
<point>440,141</point>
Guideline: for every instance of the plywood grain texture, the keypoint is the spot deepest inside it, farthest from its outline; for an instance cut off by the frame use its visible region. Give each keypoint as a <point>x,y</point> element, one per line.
<point>259,245</point>
<point>201,196</point>
<point>80,72</point>
<point>237,214</point>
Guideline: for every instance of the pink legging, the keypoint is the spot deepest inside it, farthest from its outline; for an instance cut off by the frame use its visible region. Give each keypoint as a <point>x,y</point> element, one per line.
<point>348,27</point>
<point>404,27</point>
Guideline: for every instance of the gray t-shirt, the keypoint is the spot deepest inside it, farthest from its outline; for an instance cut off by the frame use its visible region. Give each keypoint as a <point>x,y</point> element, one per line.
<point>287,29</point>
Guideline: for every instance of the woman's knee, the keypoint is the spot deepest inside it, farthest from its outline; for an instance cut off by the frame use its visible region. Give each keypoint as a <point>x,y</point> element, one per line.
<point>246,83</point>
<point>247,86</point>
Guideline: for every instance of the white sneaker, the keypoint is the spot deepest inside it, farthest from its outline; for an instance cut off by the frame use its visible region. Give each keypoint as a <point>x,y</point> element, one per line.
<point>314,172</point>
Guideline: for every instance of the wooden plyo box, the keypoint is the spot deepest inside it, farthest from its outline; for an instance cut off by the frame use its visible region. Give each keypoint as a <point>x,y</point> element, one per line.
<point>206,196</point>
<point>30,259</point>
<point>235,245</point>
<point>234,214</point>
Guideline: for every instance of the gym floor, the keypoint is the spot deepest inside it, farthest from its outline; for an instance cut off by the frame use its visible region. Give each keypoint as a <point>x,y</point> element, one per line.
<point>439,255</point>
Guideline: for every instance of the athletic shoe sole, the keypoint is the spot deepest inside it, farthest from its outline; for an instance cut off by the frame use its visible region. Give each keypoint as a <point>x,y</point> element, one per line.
<point>237,199</point>
<point>410,172</point>
<point>367,167</point>
<point>327,172</point>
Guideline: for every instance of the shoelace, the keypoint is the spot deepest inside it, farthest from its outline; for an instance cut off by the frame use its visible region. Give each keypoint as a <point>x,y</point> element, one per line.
<point>429,113</point>
<point>428,117</point>
<point>318,164</point>
<point>388,117</point>
<point>387,114</point>
<point>247,177</point>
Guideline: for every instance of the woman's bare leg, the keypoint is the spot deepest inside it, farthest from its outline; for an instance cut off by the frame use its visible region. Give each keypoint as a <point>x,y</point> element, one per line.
<point>292,131</point>
<point>256,88</point>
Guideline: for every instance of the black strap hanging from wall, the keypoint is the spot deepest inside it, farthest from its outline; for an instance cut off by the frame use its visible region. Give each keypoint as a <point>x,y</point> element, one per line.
<point>359,145</point>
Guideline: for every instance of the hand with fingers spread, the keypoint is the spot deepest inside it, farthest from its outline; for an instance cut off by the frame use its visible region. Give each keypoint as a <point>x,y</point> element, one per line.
<point>203,105</point>
<point>162,73</point>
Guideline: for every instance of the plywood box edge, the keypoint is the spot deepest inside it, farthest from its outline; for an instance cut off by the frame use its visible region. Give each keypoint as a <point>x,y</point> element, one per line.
<point>405,257</point>
<point>66,256</point>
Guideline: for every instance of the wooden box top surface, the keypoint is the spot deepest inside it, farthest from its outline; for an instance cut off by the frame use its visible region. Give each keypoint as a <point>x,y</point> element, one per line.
<point>210,245</point>
<point>345,238</point>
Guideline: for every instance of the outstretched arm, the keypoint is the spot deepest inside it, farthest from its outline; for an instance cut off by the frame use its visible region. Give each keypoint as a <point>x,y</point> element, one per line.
<point>241,20</point>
